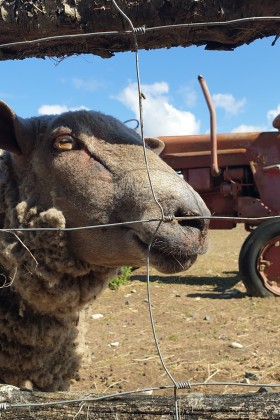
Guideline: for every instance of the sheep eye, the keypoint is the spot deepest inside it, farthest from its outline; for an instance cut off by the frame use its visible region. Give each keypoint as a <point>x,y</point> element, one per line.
<point>64,142</point>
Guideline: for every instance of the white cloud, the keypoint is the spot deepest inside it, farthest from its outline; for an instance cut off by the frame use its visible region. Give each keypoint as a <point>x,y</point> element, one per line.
<point>272,113</point>
<point>189,95</point>
<point>88,85</point>
<point>244,128</point>
<point>228,102</point>
<point>57,109</point>
<point>160,116</point>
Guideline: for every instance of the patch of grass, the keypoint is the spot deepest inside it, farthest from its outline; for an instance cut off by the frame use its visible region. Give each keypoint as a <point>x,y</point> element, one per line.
<point>173,337</point>
<point>122,279</point>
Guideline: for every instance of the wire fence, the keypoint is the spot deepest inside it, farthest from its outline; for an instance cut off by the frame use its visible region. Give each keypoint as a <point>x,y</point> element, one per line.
<point>141,30</point>
<point>175,386</point>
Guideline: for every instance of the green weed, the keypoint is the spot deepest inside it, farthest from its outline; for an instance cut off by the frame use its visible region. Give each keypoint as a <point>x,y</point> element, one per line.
<point>122,279</point>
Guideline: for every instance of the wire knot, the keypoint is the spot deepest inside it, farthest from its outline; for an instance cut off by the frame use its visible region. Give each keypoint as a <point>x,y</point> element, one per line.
<point>169,218</point>
<point>183,385</point>
<point>140,31</point>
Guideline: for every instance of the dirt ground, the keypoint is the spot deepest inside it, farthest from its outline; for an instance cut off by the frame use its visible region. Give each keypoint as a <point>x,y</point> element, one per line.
<point>198,315</point>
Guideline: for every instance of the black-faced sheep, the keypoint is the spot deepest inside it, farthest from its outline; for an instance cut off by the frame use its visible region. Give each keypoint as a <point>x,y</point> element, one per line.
<point>77,169</point>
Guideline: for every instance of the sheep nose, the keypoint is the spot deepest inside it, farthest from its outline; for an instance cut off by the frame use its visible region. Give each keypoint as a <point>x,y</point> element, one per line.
<point>189,211</point>
<point>197,220</point>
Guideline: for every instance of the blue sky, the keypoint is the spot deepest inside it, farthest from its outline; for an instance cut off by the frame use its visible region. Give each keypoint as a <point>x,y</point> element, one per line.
<point>244,84</point>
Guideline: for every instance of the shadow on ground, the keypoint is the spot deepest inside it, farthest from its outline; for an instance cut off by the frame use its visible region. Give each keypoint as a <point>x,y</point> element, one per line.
<point>213,287</point>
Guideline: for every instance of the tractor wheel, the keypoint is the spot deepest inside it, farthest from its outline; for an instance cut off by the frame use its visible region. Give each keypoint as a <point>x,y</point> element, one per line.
<point>259,260</point>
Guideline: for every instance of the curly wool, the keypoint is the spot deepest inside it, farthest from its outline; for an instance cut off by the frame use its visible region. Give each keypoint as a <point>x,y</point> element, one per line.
<point>39,310</point>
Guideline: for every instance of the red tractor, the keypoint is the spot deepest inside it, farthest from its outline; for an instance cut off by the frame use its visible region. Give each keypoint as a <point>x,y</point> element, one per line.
<point>238,175</point>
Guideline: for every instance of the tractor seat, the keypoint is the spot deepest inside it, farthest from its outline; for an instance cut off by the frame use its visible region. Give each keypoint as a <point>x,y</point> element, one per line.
<point>276,122</point>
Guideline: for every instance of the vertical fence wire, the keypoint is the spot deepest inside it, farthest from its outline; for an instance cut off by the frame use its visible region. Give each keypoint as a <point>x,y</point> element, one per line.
<point>140,101</point>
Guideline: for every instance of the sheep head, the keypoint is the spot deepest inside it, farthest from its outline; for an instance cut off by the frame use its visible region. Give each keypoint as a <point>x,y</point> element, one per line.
<point>91,167</point>
<point>78,169</point>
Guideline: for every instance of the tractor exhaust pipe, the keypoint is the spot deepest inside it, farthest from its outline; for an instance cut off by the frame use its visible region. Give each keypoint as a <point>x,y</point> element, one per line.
<point>213,127</point>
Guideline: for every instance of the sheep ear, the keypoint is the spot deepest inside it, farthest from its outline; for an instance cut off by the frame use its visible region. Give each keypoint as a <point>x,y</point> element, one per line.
<point>276,122</point>
<point>155,144</point>
<point>9,125</point>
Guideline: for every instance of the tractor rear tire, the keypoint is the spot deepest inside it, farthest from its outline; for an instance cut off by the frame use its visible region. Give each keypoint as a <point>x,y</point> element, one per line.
<point>259,260</point>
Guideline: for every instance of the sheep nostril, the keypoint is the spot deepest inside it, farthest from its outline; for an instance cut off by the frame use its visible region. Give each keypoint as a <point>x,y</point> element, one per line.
<point>199,224</point>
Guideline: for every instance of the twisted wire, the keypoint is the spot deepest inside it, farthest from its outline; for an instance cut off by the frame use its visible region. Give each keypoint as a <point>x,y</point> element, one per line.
<point>183,385</point>
<point>166,219</point>
<point>140,98</point>
<point>136,391</point>
<point>142,30</point>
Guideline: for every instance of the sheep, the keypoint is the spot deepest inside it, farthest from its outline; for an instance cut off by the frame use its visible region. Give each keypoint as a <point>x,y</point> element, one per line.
<point>276,122</point>
<point>77,169</point>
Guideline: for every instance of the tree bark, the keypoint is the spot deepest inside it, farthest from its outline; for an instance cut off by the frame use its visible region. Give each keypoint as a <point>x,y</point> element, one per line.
<point>26,20</point>
<point>142,407</point>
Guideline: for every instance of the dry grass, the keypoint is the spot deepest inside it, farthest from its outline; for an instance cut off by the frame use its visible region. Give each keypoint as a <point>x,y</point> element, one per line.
<point>197,315</point>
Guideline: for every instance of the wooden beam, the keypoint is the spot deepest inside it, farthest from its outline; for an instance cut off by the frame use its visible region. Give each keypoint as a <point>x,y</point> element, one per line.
<point>191,406</point>
<point>27,20</point>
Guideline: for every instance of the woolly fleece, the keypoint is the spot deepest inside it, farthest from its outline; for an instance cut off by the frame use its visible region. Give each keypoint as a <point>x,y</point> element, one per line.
<point>39,310</point>
<point>46,277</point>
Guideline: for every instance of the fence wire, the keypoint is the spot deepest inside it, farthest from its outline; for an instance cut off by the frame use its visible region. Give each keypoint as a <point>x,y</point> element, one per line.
<point>165,219</point>
<point>135,32</point>
<point>141,30</point>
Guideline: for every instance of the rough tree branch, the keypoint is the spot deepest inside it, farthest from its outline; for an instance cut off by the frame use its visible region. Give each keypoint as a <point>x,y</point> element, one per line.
<point>137,407</point>
<point>22,20</point>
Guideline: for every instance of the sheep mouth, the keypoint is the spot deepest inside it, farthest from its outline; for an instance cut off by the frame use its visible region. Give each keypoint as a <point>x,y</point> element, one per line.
<point>166,258</point>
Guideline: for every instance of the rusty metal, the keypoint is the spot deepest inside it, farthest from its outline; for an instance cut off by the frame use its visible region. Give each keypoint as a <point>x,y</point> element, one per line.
<point>248,184</point>
<point>199,178</point>
<point>234,174</point>
<point>213,126</point>
<point>244,185</point>
<point>200,142</point>
<point>268,265</point>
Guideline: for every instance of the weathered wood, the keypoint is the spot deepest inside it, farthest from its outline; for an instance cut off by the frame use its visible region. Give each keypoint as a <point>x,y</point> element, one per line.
<point>191,406</point>
<point>29,19</point>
